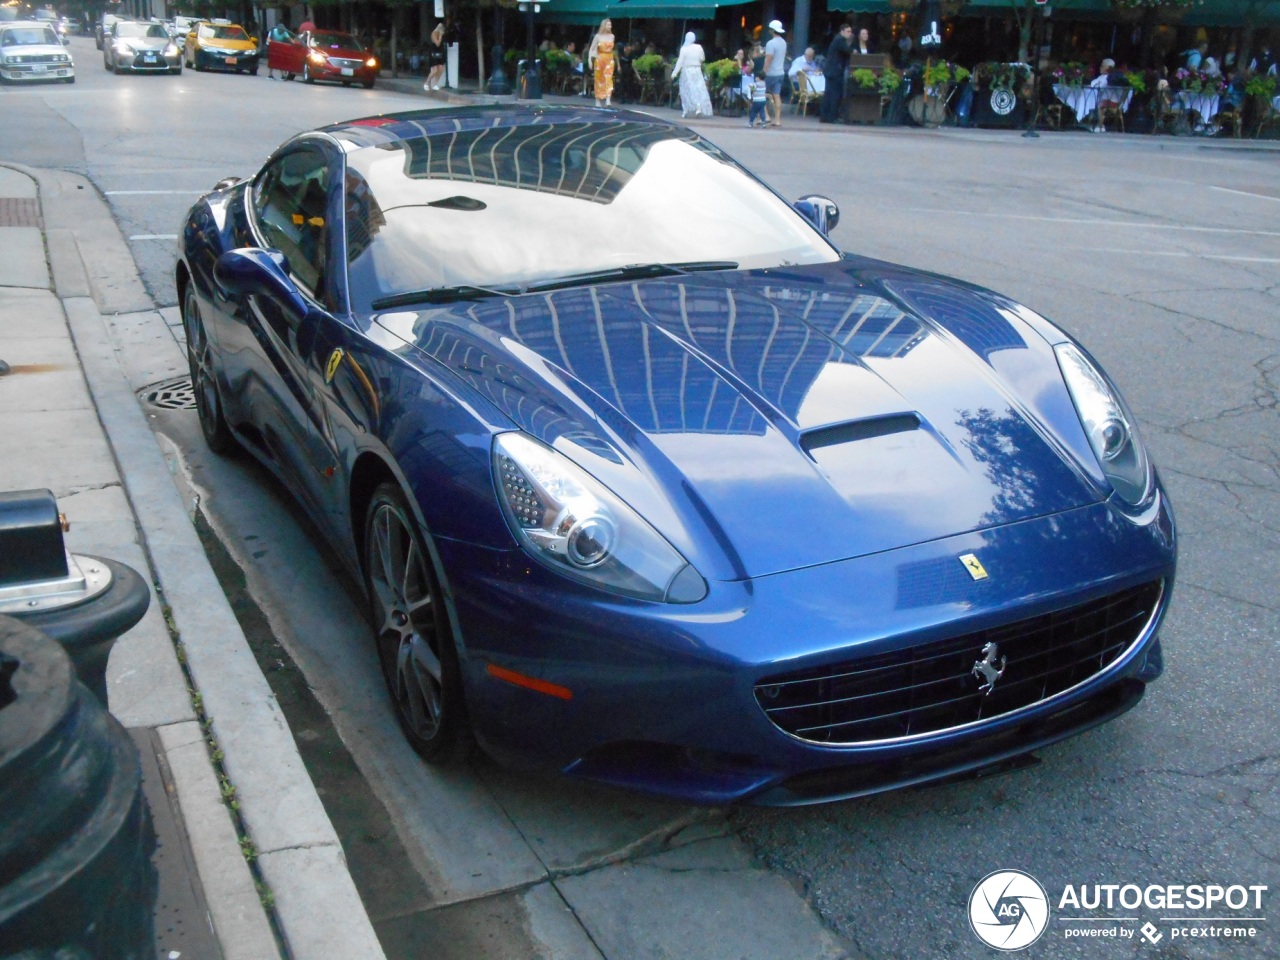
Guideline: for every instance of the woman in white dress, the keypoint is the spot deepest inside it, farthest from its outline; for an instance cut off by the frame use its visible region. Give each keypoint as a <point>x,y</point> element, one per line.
<point>694,99</point>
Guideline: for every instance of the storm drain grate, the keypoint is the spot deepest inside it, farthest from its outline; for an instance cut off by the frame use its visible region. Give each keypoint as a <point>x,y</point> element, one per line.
<point>175,394</point>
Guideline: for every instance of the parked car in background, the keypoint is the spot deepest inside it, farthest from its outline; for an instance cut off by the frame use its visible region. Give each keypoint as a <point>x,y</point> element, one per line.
<point>221,46</point>
<point>324,55</point>
<point>141,47</point>
<point>103,28</point>
<point>725,514</point>
<point>70,27</point>
<point>31,51</point>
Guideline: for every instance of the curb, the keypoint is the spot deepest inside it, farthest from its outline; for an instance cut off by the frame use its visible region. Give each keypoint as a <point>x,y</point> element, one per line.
<point>316,906</point>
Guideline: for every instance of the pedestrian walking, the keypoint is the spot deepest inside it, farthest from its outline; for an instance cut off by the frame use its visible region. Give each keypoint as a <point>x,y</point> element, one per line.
<point>775,70</point>
<point>600,55</point>
<point>695,101</point>
<point>435,58</point>
<point>834,70</point>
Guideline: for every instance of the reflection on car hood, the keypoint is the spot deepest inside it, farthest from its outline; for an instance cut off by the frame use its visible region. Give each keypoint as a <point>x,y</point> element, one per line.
<point>776,419</point>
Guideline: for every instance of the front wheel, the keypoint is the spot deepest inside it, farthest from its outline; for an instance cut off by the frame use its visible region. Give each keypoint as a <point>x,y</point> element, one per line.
<point>213,423</point>
<point>411,631</point>
<point>368,84</point>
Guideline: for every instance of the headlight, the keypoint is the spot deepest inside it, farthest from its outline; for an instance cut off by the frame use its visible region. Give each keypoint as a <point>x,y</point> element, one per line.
<point>566,518</point>
<point>371,62</point>
<point>1108,425</point>
<point>315,56</point>
<point>171,50</point>
<point>124,48</point>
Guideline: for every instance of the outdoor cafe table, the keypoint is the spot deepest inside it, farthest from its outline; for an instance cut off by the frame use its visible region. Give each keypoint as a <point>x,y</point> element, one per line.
<point>1084,100</point>
<point>1202,103</point>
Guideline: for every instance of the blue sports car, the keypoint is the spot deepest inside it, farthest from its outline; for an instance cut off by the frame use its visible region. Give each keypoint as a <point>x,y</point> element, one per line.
<point>650,483</point>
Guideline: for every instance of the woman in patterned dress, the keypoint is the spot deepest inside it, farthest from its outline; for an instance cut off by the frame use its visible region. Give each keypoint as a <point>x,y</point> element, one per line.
<point>601,55</point>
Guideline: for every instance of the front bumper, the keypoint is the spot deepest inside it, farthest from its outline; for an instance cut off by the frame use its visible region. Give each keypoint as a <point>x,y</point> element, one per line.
<point>29,72</point>
<point>231,61</point>
<point>664,695</point>
<point>144,61</point>
<point>340,74</point>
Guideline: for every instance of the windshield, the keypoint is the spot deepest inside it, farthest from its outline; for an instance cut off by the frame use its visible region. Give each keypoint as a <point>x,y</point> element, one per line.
<point>28,37</point>
<point>141,30</point>
<point>335,41</point>
<point>504,207</point>
<point>46,15</point>
<point>217,32</point>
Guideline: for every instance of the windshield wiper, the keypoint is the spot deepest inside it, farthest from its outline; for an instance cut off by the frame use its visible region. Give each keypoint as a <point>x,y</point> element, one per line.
<point>635,271</point>
<point>440,295</point>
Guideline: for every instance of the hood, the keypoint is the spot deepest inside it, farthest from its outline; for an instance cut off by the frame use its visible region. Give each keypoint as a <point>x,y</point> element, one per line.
<point>770,420</point>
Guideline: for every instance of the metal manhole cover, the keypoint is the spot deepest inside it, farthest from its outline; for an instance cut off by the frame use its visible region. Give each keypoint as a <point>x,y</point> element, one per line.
<point>175,394</point>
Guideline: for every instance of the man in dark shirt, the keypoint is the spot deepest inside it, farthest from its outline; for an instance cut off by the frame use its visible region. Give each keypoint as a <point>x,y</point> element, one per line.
<point>834,70</point>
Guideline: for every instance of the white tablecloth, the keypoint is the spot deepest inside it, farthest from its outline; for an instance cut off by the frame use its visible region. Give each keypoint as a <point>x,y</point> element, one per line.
<point>817,82</point>
<point>1084,100</point>
<point>1204,104</point>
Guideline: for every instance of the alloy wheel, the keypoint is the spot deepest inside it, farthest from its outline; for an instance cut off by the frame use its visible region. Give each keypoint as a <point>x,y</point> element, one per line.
<point>203,381</point>
<point>405,624</point>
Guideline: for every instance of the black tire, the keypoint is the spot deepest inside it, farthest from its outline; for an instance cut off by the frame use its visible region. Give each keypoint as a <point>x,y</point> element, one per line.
<point>254,71</point>
<point>411,631</point>
<point>204,381</point>
<point>306,74</point>
<point>368,84</point>
<point>289,76</point>
<point>346,83</point>
<point>105,64</point>
<point>177,71</point>
<point>70,79</point>
<point>115,68</point>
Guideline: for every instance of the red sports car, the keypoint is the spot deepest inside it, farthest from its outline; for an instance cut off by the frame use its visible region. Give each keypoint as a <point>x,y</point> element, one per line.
<point>324,55</point>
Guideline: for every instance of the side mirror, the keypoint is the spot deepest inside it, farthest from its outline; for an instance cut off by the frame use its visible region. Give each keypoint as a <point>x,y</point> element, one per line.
<point>250,271</point>
<point>254,41</point>
<point>821,211</point>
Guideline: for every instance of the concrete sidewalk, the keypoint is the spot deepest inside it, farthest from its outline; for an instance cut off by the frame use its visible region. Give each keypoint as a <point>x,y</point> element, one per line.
<point>246,845</point>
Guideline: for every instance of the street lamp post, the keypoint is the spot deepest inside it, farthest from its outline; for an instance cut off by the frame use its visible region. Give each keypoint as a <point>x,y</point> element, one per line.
<point>530,78</point>
<point>1033,107</point>
<point>498,86</point>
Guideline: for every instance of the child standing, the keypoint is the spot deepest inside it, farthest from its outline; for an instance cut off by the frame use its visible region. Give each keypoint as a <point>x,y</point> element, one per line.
<point>759,98</point>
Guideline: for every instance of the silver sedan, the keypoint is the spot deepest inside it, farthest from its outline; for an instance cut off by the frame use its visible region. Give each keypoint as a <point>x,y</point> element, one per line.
<point>141,47</point>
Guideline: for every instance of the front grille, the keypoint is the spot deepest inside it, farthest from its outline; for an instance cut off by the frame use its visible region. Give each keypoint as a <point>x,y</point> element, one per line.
<point>933,687</point>
<point>344,64</point>
<point>41,58</point>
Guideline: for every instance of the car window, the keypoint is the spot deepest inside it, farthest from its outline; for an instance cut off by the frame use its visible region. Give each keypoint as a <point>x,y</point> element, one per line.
<point>290,198</point>
<point>123,29</point>
<point>340,41</point>
<point>28,37</point>
<point>497,206</point>
<point>218,32</point>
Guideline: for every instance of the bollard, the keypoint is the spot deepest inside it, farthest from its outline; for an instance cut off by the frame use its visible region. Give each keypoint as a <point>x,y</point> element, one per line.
<point>76,878</point>
<point>83,602</point>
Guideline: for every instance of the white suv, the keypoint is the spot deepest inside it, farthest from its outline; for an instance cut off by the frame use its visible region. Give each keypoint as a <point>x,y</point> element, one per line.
<point>32,51</point>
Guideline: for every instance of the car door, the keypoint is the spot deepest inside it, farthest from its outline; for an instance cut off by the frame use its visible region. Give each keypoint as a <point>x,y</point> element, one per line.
<point>291,203</point>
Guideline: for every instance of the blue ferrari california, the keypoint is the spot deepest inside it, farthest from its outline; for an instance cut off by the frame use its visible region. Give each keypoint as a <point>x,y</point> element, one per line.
<point>649,483</point>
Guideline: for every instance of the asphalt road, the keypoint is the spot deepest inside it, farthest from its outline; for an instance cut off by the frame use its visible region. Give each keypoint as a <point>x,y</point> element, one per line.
<point>1161,254</point>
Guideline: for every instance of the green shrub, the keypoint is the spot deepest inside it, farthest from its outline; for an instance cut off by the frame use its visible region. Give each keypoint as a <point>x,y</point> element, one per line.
<point>864,79</point>
<point>650,64</point>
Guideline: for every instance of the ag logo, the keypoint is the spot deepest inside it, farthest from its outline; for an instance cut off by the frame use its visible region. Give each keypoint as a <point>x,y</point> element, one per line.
<point>1003,102</point>
<point>1008,910</point>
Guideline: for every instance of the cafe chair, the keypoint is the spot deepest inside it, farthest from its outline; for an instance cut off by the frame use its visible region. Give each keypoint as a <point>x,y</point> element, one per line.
<point>1229,118</point>
<point>805,94</point>
<point>1110,110</point>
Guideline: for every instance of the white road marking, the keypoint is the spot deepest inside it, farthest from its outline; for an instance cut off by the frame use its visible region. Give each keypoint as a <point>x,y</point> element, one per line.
<point>1179,253</point>
<point>1098,223</point>
<point>154,236</point>
<point>136,193</point>
<point>1246,193</point>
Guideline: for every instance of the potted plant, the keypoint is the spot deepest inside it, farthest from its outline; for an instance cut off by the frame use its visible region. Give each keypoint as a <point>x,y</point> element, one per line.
<point>862,97</point>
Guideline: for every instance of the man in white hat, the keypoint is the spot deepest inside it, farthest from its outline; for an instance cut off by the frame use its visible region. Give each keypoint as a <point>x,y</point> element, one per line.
<point>775,69</point>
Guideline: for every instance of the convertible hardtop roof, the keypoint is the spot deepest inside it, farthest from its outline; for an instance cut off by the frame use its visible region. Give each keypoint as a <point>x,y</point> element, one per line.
<point>397,127</point>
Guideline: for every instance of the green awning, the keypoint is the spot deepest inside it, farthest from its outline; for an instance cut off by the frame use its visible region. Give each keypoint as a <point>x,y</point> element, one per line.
<point>860,6</point>
<point>1233,13</point>
<point>593,11</point>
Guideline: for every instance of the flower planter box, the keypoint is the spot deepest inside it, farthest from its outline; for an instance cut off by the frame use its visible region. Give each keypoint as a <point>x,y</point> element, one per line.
<point>861,106</point>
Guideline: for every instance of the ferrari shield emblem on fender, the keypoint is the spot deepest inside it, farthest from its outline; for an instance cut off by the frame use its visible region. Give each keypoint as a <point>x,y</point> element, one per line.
<point>335,358</point>
<point>974,566</point>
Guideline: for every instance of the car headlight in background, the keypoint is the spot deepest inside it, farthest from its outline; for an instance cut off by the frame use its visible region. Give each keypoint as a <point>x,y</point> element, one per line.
<point>371,62</point>
<point>565,517</point>
<point>1108,425</point>
<point>316,57</point>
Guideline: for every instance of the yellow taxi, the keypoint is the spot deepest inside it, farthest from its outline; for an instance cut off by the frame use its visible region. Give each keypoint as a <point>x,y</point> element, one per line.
<point>221,45</point>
